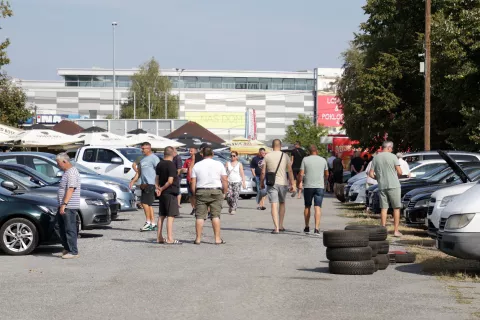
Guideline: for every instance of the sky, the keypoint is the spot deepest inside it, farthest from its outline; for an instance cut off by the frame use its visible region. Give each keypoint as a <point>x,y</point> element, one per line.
<point>270,35</point>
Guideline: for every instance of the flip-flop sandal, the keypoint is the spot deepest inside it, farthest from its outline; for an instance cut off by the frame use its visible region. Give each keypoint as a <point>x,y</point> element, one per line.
<point>175,242</point>
<point>275,232</point>
<point>282,230</point>
<point>163,242</point>
<point>259,208</point>
<point>223,242</point>
<point>197,243</point>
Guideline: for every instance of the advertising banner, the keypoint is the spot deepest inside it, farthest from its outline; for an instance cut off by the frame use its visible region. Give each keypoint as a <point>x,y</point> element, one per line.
<point>217,120</point>
<point>329,113</point>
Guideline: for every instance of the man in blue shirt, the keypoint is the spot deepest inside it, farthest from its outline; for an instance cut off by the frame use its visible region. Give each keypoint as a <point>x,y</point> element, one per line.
<point>256,167</point>
<point>147,168</point>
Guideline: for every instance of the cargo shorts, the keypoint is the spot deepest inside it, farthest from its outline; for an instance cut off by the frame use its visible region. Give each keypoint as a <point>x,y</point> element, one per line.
<point>390,198</point>
<point>205,198</point>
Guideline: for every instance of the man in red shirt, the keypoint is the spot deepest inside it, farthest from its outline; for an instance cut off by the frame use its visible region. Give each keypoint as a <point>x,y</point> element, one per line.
<point>187,169</point>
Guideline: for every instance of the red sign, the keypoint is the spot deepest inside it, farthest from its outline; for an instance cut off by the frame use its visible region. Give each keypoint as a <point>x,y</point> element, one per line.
<point>343,147</point>
<point>329,113</point>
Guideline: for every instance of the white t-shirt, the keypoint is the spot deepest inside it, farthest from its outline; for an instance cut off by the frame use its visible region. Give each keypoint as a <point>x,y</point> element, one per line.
<point>370,180</point>
<point>404,166</point>
<point>208,173</point>
<point>234,172</point>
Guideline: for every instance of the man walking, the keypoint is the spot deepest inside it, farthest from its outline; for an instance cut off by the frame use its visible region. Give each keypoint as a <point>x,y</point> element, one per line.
<point>276,164</point>
<point>330,169</point>
<point>147,176</point>
<point>188,170</point>
<point>167,189</point>
<point>256,167</point>
<point>209,185</point>
<point>315,170</point>
<point>386,170</point>
<point>297,157</point>
<point>68,197</point>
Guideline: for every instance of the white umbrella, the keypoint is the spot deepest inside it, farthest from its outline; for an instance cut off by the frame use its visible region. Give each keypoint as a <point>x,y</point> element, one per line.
<point>157,142</point>
<point>43,138</point>
<point>7,132</point>
<point>101,139</point>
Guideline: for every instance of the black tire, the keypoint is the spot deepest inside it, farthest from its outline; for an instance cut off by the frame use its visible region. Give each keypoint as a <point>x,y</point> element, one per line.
<point>382,260</point>
<point>345,239</point>
<point>405,258</point>
<point>376,264</point>
<point>377,233</point>
<point>31,244</point>
<point>383,246</point>
<point>349,254</point>
<point>246,196</point>
<point>352,267</point>
<point>374,247</point>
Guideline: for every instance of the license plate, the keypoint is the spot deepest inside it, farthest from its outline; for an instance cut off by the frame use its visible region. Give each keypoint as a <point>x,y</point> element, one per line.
<point>247,189</point>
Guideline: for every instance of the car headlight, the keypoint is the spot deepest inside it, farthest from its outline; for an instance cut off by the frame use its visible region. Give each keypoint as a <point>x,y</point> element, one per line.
<point>422,203</point>
<point>122,187</point>
<point>446,201</point>
<point>108,196</point>
<point>50,210</point>
<point>95,202</point>
<point>458,221</point>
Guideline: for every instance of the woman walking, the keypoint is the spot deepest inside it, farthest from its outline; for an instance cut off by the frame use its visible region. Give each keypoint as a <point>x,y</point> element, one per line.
<point>236,179</point>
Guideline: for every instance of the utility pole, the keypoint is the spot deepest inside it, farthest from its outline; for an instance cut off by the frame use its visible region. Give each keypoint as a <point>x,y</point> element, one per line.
<point>114,24</point>
<point>428,7</point>
<point>149,107</point>
<point>35,115</point>
<point>134,106</point>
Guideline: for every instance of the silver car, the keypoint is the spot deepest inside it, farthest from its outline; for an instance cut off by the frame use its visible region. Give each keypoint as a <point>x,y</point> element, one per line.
<point>94,210</point>
<point>46,163</point>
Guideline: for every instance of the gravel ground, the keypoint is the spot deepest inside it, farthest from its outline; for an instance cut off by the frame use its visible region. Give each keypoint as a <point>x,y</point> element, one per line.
<point>121,274</point>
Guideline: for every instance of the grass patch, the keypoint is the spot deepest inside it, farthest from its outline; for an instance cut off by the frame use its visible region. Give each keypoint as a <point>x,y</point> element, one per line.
<point>476,314</point>
<point>365,221</point>
<point>446,267</point>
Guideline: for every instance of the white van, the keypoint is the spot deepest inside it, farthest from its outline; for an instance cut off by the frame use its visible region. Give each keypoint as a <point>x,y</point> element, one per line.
<point>459,228</point>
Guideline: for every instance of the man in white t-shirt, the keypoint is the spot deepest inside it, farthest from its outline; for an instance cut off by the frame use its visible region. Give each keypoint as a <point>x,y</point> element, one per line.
<point>403,165</point>
<point>209,186</point>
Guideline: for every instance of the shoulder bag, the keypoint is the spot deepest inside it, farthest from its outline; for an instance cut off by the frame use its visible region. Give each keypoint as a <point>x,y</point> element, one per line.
<point>271,175</point>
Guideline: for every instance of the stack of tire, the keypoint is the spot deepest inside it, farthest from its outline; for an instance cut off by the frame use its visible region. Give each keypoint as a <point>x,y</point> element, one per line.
<point>377,236</point>
<point>357,250</point>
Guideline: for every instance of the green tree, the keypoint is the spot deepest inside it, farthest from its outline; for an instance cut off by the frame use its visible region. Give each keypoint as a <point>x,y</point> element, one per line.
<point>12,103</point>
<point>307,133</point>
<point>148,80</point>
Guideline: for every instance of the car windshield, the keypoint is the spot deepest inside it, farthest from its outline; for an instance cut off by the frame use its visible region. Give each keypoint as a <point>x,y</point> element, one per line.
<point>82,169</point>
<point>131,153</point>
<point>427,175</point>
<point>222,160</point>
<point>34,173</point>
<point>440,175</point>
<point>23,180</point>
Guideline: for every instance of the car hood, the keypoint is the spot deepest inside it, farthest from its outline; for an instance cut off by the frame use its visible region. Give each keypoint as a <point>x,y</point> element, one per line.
<point>104,178</point>
<point>430,189</point>
<point>421,196</point>
<point>455,167</point>
<point>361,175</point>
<point>454,190</point>
<point>34,199</point>
<point>51,192</point>
<point>360,182</point>
<point>467,202</point>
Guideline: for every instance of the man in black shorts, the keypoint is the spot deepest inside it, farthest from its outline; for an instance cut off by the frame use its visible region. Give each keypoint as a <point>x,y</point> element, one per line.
<point>297,157</point>
<point>167,189</point>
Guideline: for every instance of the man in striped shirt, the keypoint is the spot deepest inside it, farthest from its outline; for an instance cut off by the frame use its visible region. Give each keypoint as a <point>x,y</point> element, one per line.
<point>68,197</point>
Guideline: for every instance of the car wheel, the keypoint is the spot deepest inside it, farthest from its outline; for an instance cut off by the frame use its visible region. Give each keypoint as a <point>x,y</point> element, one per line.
<point>246,196</point>
<point>79,224</point>
<point>19,237</point>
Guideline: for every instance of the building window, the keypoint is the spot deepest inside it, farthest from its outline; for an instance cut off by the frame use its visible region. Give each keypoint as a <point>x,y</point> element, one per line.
<point>240,83</point>
<point>288,84</point>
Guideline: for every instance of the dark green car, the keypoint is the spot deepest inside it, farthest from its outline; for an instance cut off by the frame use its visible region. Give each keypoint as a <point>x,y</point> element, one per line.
<point>25,222</point>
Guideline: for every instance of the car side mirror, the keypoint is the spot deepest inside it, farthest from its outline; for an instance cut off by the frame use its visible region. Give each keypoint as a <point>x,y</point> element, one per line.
<point>116,160</point>
<point>9,185</point>
<point>59,174</point>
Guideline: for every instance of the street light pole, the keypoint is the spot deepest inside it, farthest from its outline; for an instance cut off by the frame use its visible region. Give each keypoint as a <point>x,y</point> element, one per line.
<point>428,7</point>
<point>114,24</point>
<point>179,73</point>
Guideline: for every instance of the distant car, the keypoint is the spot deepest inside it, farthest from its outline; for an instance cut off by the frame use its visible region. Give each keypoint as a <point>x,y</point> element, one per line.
<point>433,155</point>
<point>25,222</point>
<point>46,164</point>
<point>94,210</point>
<point>250,190</point>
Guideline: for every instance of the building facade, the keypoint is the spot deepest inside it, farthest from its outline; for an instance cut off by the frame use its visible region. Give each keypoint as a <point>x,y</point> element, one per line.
<point>218,100</point>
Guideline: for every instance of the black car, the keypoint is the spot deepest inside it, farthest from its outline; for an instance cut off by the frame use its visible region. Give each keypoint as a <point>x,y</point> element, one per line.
<point>25,222</point>
<point>44,180</point>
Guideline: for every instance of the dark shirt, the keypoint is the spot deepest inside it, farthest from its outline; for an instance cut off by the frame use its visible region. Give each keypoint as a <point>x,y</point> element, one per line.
<point>198,157</point>
<point>357,163</point>
<point>337,170</point>
<point>256,164</point>
<point>164,170</point>
<point>177,161</point>
<point>298,155</point>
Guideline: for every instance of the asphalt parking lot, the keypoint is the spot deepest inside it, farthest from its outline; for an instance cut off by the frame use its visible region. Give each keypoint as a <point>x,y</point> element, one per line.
<point>122,274</point>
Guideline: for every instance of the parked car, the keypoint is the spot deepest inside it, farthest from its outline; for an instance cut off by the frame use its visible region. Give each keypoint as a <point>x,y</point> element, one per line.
<point>94,210</point>
<point>439,201</point>
<point>433,155</point>
<point>459,227</point>
<point>46,164</point>
<point>26,221</point>
<point>250,190</point>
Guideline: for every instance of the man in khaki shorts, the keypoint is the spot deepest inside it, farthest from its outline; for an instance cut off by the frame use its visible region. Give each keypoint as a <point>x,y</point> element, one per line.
<point>209,186</point>
<point>386,170</point>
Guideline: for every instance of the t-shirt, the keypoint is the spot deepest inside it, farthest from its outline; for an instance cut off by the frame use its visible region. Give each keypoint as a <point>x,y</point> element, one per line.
<point>337,170</point>
<point>70,179</point>
<point>187,166</point>
<point>358,163</point>
<point>314,168</point>
<point>198,157</point>
<point>384,165</point>
<point>272,160</point>
<point>166,169</point>
<point>330,161</point>
<point>256,164</point>
<point>370,180</point>
<point>298,155</point>
<point>404,166</point>
<point>177,160</point>
<point>209,173</point>
<point>147,169</point>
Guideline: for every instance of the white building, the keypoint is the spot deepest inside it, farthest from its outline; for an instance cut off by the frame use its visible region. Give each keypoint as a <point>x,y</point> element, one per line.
<point>218,100</point>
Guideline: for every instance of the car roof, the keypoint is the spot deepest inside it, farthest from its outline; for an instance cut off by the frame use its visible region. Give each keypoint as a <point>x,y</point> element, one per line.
<point>24,153</point>
<point>419,153</point>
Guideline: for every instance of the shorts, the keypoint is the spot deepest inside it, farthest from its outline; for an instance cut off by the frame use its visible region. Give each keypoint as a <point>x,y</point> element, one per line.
<point>277,193</point>
<point>296,171</point>
<point>315,195</point>
<point>205,198</point>
<point>168,204</point>
<point>390,198</point>
<point>148,195</point>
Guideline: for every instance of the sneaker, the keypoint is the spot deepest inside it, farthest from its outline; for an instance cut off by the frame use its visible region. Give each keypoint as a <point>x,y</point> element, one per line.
<point>153,227</point>
<point>306,230</point>
<point>146,226</point>
<point>70,256</point>
<point>60,254</point>
<point>233,212</point>
<point>316,232</point>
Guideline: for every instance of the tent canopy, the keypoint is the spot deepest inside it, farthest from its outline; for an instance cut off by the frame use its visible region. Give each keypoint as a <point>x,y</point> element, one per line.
<point>38,126</point>
<point>94,129</point>
<point>67,127</point>
<point>157,142</point>
<point>101,139</point>
<point>43,138</point>
<point>193,129</point>
<point>137,131</point>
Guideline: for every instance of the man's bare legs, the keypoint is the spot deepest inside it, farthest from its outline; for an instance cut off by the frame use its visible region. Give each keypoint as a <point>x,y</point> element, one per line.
<point>318,215</point>
<point>179,198</point>
<point>199,230</point>
<point>396,220</point>
<point>383,217</point>
<point>160,238</point>
<point>274,206</point>
<point>282,215</point>
<point>262,202</point>
<point>306,214</point>
<point>149,215</point>
<point>216,229</point>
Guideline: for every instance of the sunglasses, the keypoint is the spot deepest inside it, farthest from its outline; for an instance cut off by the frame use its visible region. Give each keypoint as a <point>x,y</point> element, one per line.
<point>233,155</point>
